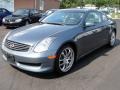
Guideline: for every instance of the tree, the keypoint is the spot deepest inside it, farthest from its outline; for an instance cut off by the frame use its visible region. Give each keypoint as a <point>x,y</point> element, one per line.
<point>98,3</point>
<point>68,3</point>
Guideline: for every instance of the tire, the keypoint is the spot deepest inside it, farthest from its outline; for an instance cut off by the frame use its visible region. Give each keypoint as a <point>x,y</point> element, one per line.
<point>64,63</point>
<point>0,24</point>
<point>27,23</point>
<point>8,27</point>
<point>112,40</point>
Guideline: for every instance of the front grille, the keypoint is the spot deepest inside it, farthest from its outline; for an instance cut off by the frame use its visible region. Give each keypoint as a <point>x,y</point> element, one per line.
<point>9,20</point>
<point>16,46</point>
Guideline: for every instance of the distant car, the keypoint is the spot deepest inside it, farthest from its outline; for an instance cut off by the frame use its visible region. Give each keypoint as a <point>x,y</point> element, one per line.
<point>4,13</point>
<point>63,38</point>
<point>89,7</point>
<point>22,17</point>
<point>47,13</point>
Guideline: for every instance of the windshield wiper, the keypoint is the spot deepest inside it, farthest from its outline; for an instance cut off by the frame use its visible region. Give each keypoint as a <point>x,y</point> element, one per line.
<point>56,23</point>
<point>52,23</point>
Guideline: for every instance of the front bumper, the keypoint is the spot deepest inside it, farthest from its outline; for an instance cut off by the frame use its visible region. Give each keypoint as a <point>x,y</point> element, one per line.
<point>30,61</point>
<point>13,24</point>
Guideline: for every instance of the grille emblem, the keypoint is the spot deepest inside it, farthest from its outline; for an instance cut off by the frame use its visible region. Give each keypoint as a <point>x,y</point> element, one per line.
<point>11,45</point>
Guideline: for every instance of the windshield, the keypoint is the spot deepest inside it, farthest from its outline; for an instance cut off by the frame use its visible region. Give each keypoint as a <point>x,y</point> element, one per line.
<point>21,12</point>
<point>65,18</point>
<point>48,12</point>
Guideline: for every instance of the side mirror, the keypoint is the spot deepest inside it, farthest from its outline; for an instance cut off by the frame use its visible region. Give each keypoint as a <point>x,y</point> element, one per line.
<point>89,24</point>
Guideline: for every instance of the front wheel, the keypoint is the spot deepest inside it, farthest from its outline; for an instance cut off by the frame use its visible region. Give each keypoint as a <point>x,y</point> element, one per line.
<point>27,22</point>
<point>112,39</point>
<point>65,60</point>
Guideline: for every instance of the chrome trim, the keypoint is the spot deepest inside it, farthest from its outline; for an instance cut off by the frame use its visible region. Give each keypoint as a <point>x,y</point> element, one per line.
<point>16,46</point>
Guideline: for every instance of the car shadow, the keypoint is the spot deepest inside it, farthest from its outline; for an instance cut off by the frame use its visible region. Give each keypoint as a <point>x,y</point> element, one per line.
<point>11,28</point>
<point>79,65</point>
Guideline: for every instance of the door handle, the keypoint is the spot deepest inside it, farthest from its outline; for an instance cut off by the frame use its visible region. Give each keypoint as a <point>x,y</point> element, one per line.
<point>97,30</point>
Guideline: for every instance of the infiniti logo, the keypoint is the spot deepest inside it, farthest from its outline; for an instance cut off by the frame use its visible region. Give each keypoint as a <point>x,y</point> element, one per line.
<point>11,45</point>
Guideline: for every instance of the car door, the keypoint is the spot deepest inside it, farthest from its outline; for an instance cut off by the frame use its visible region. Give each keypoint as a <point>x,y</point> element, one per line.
<point>101,29</point>
<point>91,28</point>
<point>105,25</point>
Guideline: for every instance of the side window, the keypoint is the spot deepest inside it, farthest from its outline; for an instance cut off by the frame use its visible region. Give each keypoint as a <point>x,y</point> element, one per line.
<point>4,11</point>
<point>104,17</point>
<point>34,11</point>
<point>93,18</point>
<point>1,10</point>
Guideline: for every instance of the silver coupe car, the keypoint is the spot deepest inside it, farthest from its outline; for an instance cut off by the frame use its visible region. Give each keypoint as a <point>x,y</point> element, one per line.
<point>59,40</point>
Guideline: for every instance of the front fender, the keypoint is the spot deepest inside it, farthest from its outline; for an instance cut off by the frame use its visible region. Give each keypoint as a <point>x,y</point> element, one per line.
<point>58,43</point>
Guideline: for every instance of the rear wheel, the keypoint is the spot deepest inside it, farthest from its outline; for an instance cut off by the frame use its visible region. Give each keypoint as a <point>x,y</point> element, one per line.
<point>65,61</point>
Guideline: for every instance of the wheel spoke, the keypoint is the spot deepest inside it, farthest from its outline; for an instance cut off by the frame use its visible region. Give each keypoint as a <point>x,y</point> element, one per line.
<point>69,53</point>
<point>112,41</point>
<point>62,64</point>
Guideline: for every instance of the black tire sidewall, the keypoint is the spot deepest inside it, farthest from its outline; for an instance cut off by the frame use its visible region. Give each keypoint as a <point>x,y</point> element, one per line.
<point>110,39</point>
<point>27,22</point>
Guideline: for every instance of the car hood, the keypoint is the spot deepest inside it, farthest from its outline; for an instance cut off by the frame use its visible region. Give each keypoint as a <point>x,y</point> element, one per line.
<point>14,17</point>
<point>33,34</point>
<point>2,16</point>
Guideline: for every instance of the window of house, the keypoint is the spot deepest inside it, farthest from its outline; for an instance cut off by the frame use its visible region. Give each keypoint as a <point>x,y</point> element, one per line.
<point>8,4</point>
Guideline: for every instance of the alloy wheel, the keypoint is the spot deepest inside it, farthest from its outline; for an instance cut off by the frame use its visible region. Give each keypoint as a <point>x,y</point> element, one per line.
<point>66,59</point>
<point>112,39</point>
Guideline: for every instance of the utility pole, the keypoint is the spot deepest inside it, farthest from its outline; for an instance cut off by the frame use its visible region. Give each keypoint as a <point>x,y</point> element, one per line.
<point>36,4</point>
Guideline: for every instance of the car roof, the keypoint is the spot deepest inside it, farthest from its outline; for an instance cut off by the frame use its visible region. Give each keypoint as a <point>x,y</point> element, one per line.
<point>77,10</point>
<point>28,9</point>
<point>3,8</point>
<point>53,10</point>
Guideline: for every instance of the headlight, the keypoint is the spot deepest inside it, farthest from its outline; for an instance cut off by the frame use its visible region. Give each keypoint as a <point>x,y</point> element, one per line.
<point>3,20</point>
<point>18,20</point>
<point>44,45</point>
